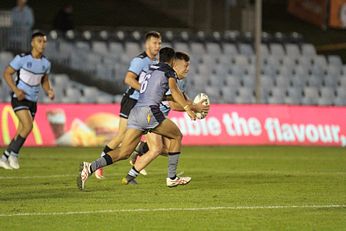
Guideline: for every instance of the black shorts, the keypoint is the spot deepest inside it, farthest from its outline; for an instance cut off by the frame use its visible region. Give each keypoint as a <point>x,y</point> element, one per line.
<point>24,105</point>
<point>126,106</point>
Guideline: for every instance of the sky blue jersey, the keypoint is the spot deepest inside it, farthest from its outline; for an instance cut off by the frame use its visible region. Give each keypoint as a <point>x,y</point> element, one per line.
<point>139,66</point>
<point>164,106</point>
<point>29,74</point>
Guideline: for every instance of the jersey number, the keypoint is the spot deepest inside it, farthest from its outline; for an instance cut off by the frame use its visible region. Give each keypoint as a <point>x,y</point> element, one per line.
<point>144,84</point>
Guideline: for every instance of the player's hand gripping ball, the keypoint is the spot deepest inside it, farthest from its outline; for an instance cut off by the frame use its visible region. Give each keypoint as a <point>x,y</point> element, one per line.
<point>200,97</point>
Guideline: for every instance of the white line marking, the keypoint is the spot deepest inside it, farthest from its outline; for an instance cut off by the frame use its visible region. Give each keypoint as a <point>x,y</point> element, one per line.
<point>32,177</point>
<point>153,172</point>
<point>177,209</point>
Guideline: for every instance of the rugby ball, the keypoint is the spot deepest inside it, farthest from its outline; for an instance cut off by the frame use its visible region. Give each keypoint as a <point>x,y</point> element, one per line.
<point>200,97</point>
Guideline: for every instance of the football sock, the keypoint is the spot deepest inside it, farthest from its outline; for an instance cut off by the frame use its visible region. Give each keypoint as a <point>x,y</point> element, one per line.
<point>101,162</point>
<point>133,173</point>
<point>106,149</point>
<point>7,152</point>
<point>173,158</point>
<point>142,148</point>
<point>16,145</point>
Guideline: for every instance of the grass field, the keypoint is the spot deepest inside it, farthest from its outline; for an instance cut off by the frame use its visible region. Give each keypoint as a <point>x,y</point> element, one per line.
<point>232,188</point>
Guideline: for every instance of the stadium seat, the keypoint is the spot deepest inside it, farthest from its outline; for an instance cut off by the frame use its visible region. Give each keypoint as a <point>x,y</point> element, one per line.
<point>233,81</point>
<point>277,51</point>
<point>246,49</point>
<point>308,50</point>
<point>228,94</point>
<point>100,47</point>
<point>216,81</point>
<point>311,92</point>
<point>132,49</point>
<point>339,102</point>
<point>335,60</point>
<point>264,51</point>
<point>181,46</point>
<point>213,49</point>
<point>104,99</point>
<point>230,49</point>
<point>292,51</point>
<point>249,82</point>
<point>327,93</point>
<point>314,81</point>
<point>197,49</point>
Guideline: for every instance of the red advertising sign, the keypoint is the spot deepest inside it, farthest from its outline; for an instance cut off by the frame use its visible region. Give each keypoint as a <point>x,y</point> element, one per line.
<point>95,124</point>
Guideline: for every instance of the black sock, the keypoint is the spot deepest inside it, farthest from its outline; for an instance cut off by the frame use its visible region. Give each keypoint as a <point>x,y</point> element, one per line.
<point>107,149</point>
<point>8,150</point>
<point>101,162</point>
<point>143,148</point>
<point>17,144</point>
<point>133,173</point>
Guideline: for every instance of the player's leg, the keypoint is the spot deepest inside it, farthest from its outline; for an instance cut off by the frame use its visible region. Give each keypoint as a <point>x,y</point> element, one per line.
<point>126,106</point>
<point>166,142</point>
<point>170,130</point>
<point>25,126</point>
<point>6,154</point>
<point>114,143</point>
<point>131,139</point>
<point>155,146</point>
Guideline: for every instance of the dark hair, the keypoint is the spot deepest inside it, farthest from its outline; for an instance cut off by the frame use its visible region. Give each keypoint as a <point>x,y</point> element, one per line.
<point>182,56</point>
<point>154,34</point>
<point>37,34</point>
<point>166,54</point>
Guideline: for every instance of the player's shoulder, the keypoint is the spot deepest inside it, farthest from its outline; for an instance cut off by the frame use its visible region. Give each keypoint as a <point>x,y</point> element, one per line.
<point>45,59</point>
<point>142,55</point>
<point>167,69</point>
<point>141,58</point>
<point>24,54</point>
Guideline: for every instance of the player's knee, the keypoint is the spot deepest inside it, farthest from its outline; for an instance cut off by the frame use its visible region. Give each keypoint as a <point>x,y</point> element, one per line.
<point>26,129</point>
<point>156,150</point>
<point>179,136</point>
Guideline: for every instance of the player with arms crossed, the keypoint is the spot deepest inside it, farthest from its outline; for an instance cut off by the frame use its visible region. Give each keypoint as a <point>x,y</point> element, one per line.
<point>138,65</point>
<point>147,117</point>
<point>160,145</point>
<point>32,71</point>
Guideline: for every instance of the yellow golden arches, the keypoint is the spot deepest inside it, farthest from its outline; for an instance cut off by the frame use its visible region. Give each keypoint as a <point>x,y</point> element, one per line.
<point>7,113</point>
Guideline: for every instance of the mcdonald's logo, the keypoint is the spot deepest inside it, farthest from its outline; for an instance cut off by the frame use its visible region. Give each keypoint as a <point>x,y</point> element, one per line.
<point>7,113</point>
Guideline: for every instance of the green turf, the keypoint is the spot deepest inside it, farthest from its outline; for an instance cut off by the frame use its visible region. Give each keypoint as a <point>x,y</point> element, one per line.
<point>228,177</point>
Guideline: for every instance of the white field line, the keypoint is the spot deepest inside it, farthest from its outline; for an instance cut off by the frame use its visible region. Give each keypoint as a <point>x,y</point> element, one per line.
<point>331,206</point>
<point>157,173</point>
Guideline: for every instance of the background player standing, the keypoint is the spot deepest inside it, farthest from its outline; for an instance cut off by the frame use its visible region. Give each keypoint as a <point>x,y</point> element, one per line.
<point>32,71</point>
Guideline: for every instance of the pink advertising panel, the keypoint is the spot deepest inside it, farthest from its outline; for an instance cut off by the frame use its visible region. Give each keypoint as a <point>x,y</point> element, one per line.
<point>95,124</point>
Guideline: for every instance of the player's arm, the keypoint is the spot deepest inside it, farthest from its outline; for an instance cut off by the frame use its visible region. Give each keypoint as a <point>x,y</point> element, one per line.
<point>179,98</point>
<point>9,71</point>
<point>131,77</point>
<point>131,80</point>
<point>47,87</point>
<point>199,107</point>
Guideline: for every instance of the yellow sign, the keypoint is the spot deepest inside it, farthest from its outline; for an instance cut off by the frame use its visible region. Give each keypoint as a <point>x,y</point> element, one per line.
<point>7,113</point>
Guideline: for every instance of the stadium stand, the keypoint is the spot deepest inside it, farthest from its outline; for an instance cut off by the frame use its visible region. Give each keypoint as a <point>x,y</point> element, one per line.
<point>222,65</point>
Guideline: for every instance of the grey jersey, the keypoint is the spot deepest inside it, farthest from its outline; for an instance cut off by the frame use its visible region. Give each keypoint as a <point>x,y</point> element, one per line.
<point>155,85</point>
